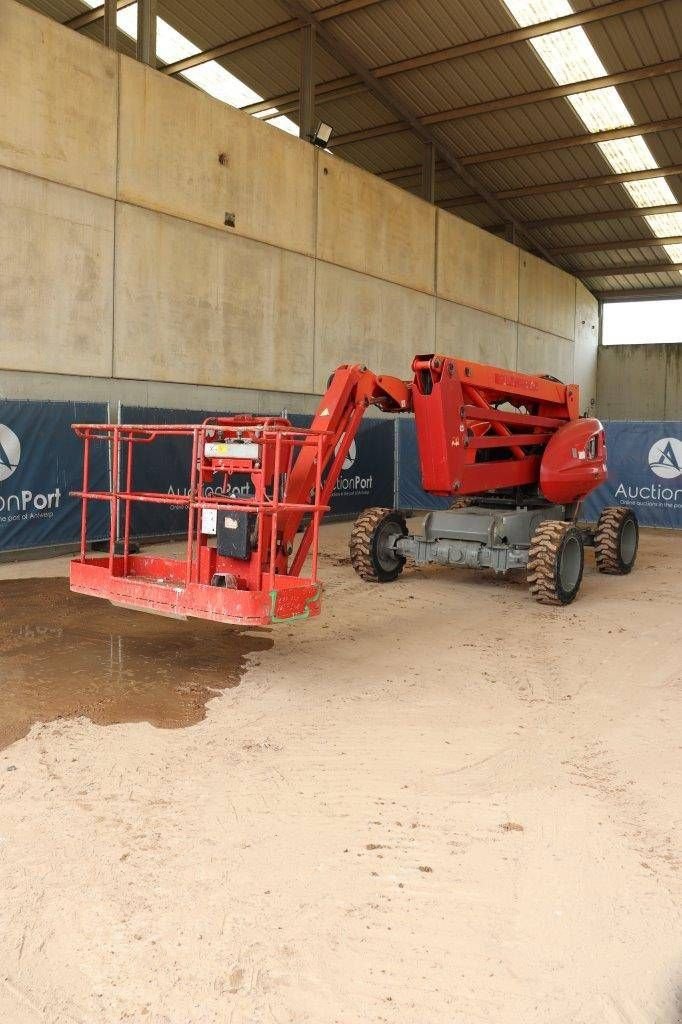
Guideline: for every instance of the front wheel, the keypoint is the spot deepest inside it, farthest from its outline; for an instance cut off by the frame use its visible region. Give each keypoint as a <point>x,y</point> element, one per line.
<point>616,540</point>
<point>372,544</point>
<point>555,562</point>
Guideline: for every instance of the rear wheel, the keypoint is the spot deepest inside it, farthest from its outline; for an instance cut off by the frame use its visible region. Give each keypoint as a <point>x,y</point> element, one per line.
<point>555,562</point>
<point>372,540</point>
<point>616,540</point>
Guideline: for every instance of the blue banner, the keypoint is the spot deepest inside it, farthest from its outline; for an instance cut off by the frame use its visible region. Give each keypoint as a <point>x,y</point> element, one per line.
<point>41,461</point>
<point>645,472</point>
<point>410,493</point>
<point>367,478</point>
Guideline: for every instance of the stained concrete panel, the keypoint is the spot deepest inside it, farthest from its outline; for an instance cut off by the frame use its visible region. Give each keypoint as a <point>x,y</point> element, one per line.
<point>360,319</point>
<point>369,225</point>
<point>56,260</point>
<point>673,382</point>
<point>542,353</point>
<point>476,269</point>
<point>172,141</point>
<point>546,297</point>
<point>58,107</point>
<point>198,306</point>
<point>586,344</point>
<point>470,334</point>
<point>631,382</point>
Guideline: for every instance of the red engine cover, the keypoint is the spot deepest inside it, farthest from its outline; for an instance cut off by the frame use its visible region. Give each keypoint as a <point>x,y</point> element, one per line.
<point>574,462</point>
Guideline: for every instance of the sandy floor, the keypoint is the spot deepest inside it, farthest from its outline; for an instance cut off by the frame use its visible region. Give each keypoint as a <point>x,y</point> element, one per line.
<point>439,802</point>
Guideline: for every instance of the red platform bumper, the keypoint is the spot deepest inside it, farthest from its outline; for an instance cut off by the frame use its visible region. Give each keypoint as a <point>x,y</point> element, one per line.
<point>158,585</point>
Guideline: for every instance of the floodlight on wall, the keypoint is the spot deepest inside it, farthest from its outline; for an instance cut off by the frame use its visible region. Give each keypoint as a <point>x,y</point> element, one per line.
<point>322,135</point>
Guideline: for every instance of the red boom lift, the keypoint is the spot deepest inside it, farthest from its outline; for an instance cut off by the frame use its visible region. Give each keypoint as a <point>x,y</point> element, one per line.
<point>509,448</point>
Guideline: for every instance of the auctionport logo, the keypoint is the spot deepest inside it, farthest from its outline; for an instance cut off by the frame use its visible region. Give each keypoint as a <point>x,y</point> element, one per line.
<point>25,504</point>
<point>351,454</point>
<point>10,452</point>
<point>665,462</point>
<point>665,458</point>
<point>352,484</point>
<point>350,458</point>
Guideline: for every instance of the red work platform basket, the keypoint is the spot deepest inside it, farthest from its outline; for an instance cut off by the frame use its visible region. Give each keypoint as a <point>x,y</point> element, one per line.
<point>244,556</point>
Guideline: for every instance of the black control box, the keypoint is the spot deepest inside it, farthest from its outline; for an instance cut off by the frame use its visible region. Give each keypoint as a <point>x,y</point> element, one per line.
<point>233,533</point>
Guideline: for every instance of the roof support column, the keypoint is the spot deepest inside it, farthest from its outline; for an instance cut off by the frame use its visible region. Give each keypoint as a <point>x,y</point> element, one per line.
<point>146,32</point>
<point>306,108</point>
<point>429,173</point>
<point>109,23</point>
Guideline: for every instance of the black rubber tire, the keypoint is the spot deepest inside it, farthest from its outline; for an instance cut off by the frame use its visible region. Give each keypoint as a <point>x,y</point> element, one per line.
<point>370,529</point>
<point>555,562</point>
<point>616,540</point>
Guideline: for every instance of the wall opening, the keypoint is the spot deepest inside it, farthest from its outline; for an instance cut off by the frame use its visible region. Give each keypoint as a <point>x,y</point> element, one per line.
<point>649,322</point>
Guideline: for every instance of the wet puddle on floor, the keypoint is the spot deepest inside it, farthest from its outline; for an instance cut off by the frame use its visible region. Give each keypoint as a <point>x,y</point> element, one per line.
<point>63,655</point>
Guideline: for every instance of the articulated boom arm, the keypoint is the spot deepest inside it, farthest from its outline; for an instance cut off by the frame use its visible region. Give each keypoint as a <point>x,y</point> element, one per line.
<point>350,391</point>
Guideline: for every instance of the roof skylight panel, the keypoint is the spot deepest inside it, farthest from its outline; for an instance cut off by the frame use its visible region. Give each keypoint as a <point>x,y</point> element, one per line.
<point>570,57</point>
<point>210,77</point>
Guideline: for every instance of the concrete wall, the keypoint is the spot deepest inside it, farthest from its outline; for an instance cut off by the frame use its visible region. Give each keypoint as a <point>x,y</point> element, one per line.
<point>640,382</point>
<point>122,279</point>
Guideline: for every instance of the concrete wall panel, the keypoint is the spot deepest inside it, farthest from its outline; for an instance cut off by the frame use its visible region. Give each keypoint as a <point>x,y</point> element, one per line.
<point>369,225</point>
<point>633,382</point>
<point>362,320</point>
<point>18,384</point>
<point>58,106</point>
<point>539,352</point>
<point>469,334</point>
<point>673,382</point>
<point>546,297</point>
<point>196,305</point>
<point>171,139</point>
<point>585,350</point>
<point>56,269</point>
<point>477,269</point>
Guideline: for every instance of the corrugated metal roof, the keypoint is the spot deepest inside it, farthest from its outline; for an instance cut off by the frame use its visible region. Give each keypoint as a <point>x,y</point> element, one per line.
<point>387,31</point>
<point>60,10</point>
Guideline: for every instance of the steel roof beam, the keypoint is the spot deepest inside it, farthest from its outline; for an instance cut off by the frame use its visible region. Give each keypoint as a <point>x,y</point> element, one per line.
<point>649,242</point>
<point>632,294</point>
<point>624,269</point>
<point>89,17</point>
<point>520,100</point>
<point>599,215</point>
<point>264,35</point>
<point>325,92</point>
<point>668,67</point>
<point>515,35</point>
<point>393,128</point>
<point>474,159</point>
<point>402,174</point>
<point>567,186</point>
<point>286,101</point>
<point>551,145</point>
